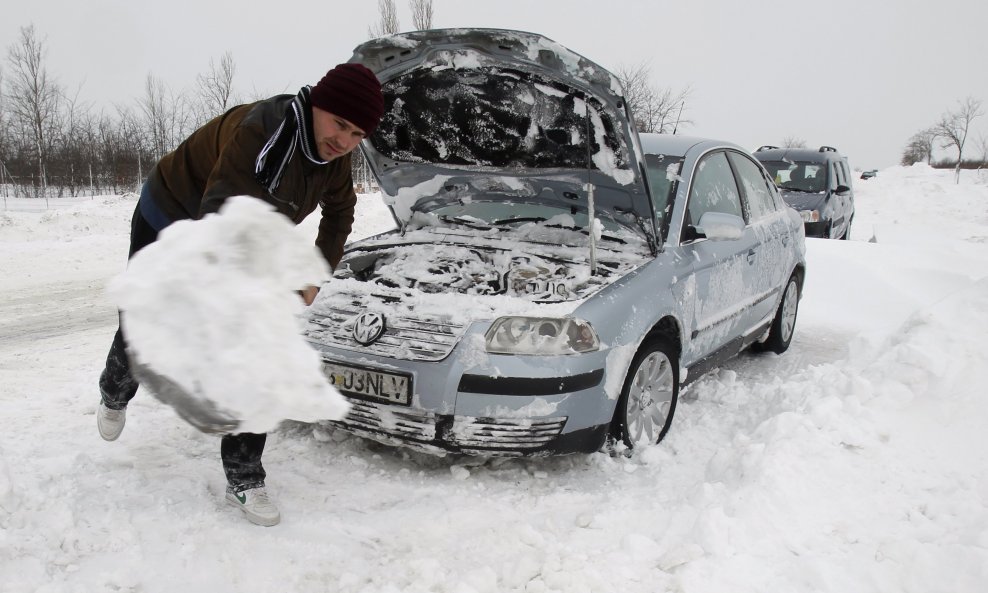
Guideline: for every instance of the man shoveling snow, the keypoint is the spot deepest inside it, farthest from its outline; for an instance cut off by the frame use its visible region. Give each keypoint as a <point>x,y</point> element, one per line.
<point>205,309</point>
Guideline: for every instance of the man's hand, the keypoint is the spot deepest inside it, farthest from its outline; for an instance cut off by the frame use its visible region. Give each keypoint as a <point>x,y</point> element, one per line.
<point>308,294</point>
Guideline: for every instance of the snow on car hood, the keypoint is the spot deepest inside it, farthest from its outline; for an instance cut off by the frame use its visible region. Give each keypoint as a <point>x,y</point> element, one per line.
<point>804,200</point>
<point>465,272</point>
<point>500,115</point>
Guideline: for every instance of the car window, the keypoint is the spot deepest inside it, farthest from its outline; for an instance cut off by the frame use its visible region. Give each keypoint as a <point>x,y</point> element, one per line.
<point>663,179</point>
<point>714,189</point>
<point>757,190</point>
<point>804,176</point>
<point>846,175</point>
<point>499,212</point>
<point>815,175</point>
<point>777,170</point>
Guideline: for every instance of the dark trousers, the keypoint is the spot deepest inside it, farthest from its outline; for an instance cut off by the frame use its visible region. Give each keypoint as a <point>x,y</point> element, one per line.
<point>241,453</point>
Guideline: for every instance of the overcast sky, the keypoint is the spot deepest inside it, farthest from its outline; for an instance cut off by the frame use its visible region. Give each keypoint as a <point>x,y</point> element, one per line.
<point>860,75</point>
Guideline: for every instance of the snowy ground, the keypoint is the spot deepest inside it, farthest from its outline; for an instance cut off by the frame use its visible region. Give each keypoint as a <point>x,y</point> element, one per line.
<point>856,462</point>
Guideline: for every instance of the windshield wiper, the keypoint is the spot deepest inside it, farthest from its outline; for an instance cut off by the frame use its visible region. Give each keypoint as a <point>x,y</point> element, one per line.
<point>471,222</point>
<point>519,219</point>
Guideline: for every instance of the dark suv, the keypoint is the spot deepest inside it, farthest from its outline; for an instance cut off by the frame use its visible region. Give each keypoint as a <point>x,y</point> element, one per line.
<point>817,183</point>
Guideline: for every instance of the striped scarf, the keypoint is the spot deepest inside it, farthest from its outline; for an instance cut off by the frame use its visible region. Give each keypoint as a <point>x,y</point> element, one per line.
<point>295,129</point>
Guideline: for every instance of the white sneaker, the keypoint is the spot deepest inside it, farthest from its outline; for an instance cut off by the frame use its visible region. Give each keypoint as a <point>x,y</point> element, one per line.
<point>256,505</point>
<point>110,422</point>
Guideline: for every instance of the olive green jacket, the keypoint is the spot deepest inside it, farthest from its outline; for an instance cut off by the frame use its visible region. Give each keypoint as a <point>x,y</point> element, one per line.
<point>217,162</point>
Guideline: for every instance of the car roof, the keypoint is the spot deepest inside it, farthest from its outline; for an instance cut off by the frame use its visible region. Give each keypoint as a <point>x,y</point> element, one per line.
<point>819,155</point>
<point>676,145</point>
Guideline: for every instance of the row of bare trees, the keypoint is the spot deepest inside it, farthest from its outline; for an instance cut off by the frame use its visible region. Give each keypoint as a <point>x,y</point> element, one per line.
<point>950,132</point>
<point>53,144</point>
<point>388,22</point>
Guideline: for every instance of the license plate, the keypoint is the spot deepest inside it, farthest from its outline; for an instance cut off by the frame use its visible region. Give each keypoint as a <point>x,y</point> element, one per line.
<point>370,384</point>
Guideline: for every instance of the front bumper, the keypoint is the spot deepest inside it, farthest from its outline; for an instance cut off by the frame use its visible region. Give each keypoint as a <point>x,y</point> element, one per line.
<point>479,403</point>
<point>819,230</point>
<point>450,433</point>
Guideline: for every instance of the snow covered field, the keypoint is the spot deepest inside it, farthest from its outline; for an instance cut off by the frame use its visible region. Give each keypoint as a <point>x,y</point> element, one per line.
<point>856,462</point>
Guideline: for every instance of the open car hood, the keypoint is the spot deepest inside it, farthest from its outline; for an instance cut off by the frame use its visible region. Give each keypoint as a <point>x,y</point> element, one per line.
<point>486,115</point>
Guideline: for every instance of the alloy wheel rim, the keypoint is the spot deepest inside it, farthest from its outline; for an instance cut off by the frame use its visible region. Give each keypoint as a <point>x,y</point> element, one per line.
<point>789,311</point>
<point>649,399</point>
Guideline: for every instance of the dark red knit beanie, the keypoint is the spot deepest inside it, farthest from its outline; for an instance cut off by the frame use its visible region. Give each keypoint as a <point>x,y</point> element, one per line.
<point>352,92</point>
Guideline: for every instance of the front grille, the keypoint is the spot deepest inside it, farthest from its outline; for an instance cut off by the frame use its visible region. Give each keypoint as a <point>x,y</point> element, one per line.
<point>465,434</point>
<point>400,422</point>
<point>428,339</point>
<point>471,433</point>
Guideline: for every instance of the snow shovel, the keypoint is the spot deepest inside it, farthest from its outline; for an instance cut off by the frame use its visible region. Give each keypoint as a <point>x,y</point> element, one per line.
<point>194,408</point>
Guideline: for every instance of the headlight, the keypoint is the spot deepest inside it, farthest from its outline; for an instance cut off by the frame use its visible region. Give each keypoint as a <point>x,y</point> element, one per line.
<point>810,215</point>
<point>543,336</point>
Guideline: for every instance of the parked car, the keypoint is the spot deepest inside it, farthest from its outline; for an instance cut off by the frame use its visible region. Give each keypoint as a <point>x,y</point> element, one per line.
<point>869,174</point>
<point>554,279</point>
<point>817,183</point>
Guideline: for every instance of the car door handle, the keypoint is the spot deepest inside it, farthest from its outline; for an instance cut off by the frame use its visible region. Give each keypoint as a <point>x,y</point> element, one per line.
<point>751,256</point>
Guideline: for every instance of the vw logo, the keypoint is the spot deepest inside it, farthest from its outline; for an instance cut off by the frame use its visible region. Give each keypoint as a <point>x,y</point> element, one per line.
<point>368,328</point>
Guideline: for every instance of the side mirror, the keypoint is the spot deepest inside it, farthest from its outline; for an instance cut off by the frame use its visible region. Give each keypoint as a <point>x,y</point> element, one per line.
<point>842,189</point>
<point>690,234</point>
<point>718,226</point>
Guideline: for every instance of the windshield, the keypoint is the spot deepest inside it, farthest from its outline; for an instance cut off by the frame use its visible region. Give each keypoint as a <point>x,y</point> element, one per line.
<point>513,214</point>
<point>663,180</point>
<point>801,176</point>
<point>493,117</point>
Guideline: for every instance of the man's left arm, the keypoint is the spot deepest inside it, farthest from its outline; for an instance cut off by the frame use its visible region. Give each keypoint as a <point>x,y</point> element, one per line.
<point>337,206</point>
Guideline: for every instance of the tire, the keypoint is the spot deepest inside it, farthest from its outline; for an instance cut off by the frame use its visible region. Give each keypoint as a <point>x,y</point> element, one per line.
<point>784,324</point>
<point>648,400</point>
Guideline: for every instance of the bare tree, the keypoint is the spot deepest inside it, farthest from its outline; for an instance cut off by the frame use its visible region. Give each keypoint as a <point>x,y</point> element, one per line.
<point>215,89</point>
<point>983,146</point>
<point>164,116</point>
<point>4,140</point>
<point>34,99</point>
<point>793,142</point>
<point>920,147</point>
<point>130,135</point>
<point>4,122</point>
<point>654,110</point>
<point>388,24</point>
<point>71,145</point>
<point>954,126</point>
<point>421,14</point>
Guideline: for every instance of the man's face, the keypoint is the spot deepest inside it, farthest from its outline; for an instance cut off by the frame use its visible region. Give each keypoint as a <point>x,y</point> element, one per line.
<point>334,135</point>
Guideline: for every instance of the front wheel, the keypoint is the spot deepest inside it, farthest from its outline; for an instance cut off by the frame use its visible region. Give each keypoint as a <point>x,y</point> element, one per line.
<point>648,401</point>
<point>784,324</point>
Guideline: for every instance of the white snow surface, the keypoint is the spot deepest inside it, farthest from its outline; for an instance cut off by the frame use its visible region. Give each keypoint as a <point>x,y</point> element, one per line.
<point>855,462</point>
<point>212,306</point>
